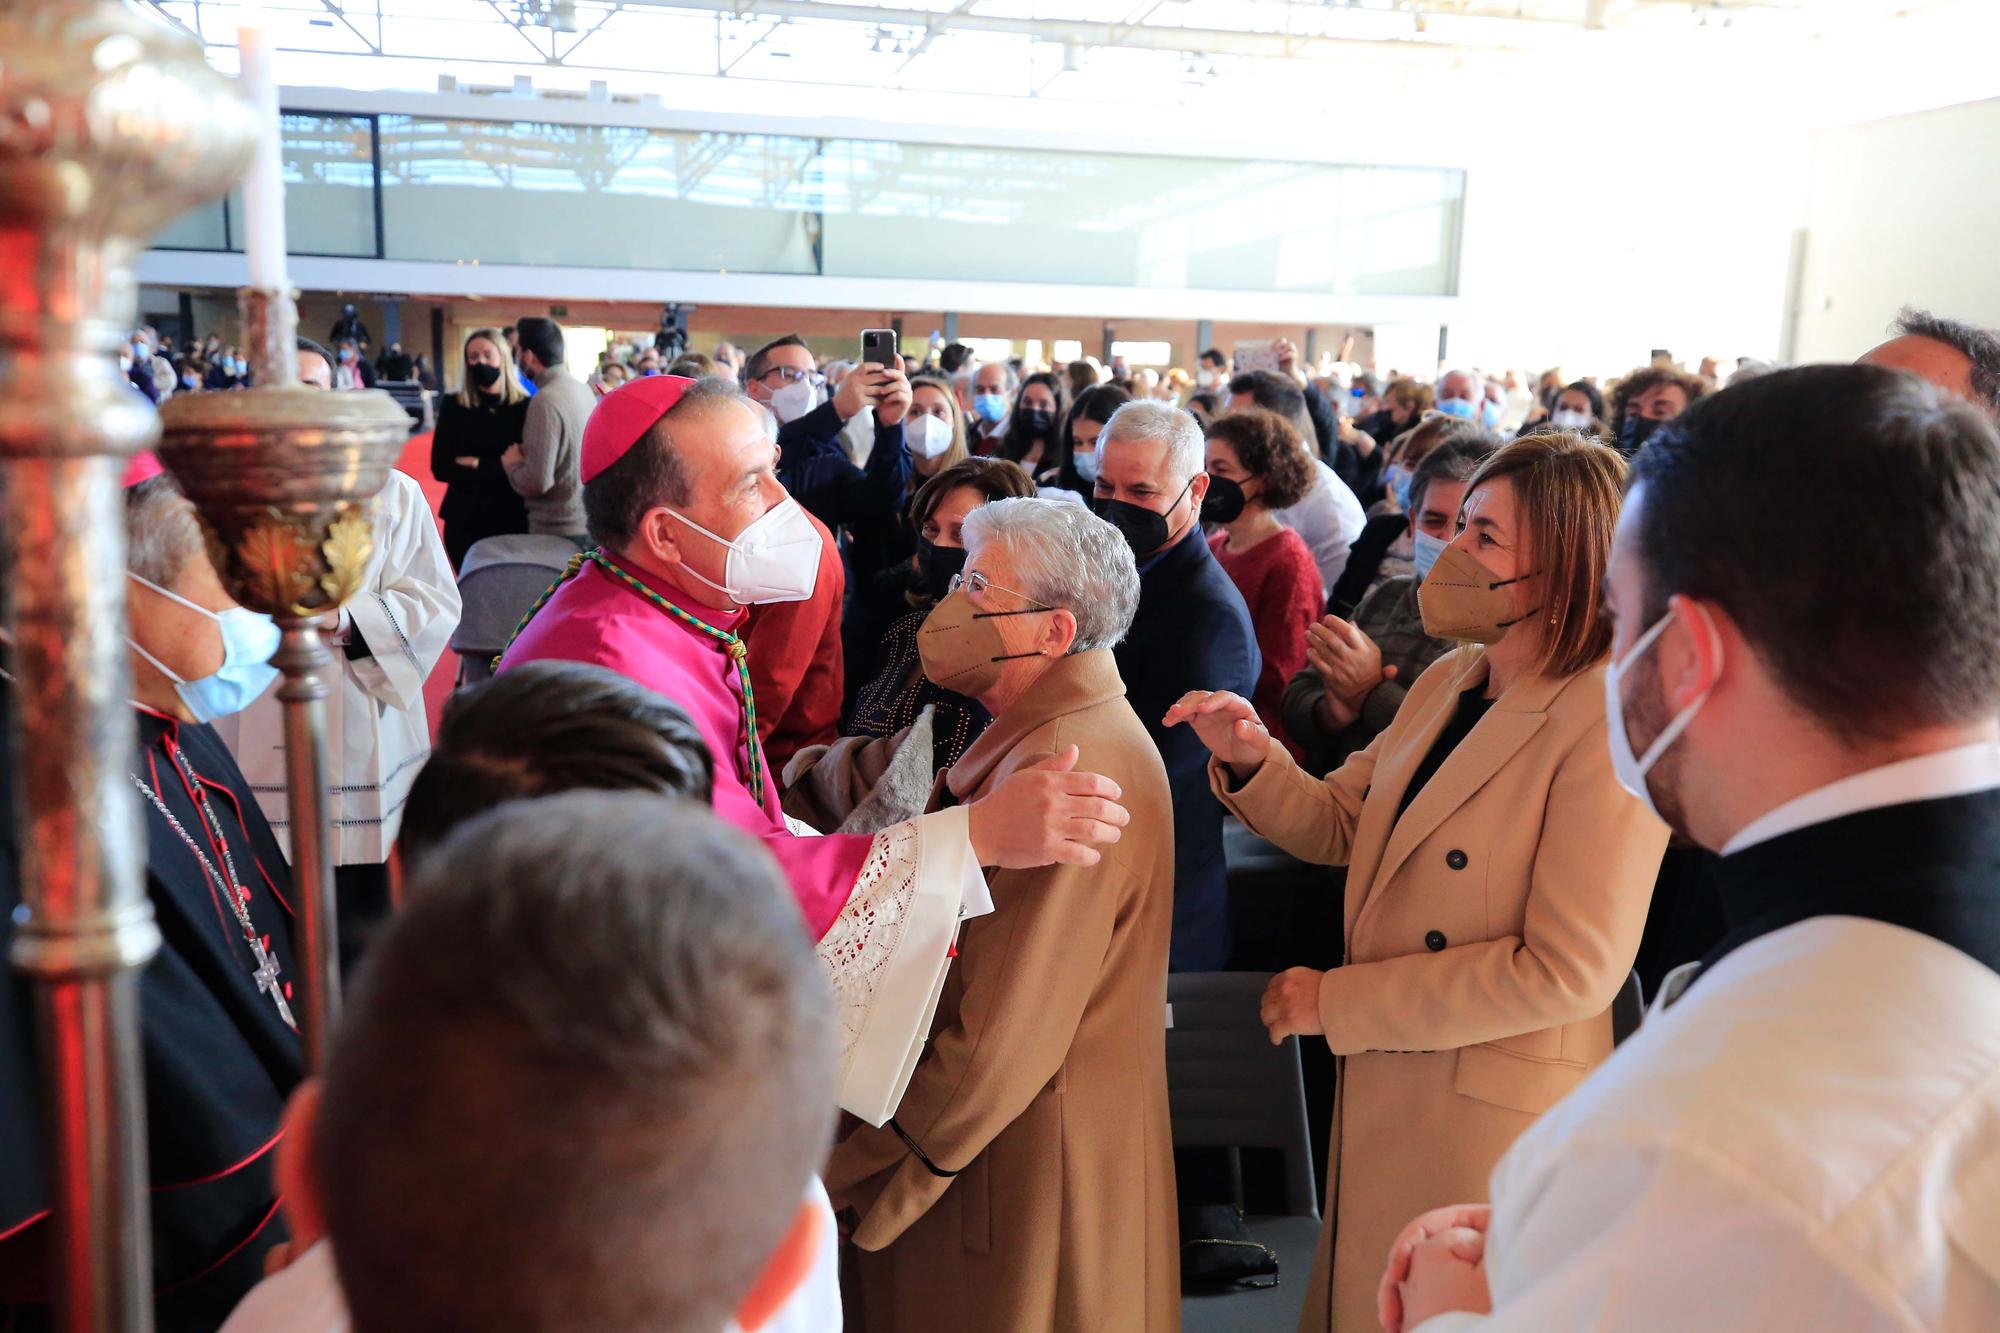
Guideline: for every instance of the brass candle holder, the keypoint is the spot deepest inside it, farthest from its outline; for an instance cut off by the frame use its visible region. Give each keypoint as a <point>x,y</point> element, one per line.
<point>111,125</point>
<point>282,476</point>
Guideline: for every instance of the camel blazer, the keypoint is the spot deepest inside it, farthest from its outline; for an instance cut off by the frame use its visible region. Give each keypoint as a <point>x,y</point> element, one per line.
<point>1026,1182</point>
<point>1487,931</point>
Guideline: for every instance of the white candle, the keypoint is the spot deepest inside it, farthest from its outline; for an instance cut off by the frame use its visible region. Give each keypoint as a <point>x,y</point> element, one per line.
<point>264,187</point>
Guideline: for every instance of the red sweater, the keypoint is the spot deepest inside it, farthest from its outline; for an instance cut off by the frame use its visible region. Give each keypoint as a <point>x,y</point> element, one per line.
<point>1280,582</point>
<point>795,662</point>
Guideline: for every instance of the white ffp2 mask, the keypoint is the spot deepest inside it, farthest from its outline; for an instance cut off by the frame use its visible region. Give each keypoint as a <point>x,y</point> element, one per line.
<point>926,436</point>
<point>775,559</point>
<point>1631,769</point>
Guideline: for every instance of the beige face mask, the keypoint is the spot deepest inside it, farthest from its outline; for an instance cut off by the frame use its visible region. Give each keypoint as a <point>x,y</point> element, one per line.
<point>961,647</point>
<point>1461,600</point>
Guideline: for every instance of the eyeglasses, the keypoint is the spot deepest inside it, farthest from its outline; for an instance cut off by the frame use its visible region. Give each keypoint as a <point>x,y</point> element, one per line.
<point>980,584</point>
<point>792,375</point>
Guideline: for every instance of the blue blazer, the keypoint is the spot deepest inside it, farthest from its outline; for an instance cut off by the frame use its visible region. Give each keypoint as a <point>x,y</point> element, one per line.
<point>1192,632</point>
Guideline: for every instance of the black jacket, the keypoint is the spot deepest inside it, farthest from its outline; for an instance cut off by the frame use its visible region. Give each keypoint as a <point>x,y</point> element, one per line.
<point>1192,632</point>
<point>1928,866</point>
<point>219,1061</point>
<point>479,501</point>
<point>817,471</point>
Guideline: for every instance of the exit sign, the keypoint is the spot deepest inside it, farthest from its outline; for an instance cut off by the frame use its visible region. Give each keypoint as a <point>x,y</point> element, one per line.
<point>558,312</point>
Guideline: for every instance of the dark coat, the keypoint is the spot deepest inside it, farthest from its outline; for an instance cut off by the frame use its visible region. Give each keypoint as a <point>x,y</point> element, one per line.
<point>1192,632</point>
<point>479,501</point>
<point>219,1061</point>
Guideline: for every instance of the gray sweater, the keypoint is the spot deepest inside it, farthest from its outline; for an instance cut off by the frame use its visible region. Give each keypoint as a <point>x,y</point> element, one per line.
<point>551,452</point>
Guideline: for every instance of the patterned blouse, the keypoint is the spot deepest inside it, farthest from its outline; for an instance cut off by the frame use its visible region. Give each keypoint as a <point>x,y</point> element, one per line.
<point>891,701</point>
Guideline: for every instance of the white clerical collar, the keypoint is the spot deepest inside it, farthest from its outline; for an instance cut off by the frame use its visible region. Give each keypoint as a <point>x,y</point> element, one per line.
<point>1928,777</point>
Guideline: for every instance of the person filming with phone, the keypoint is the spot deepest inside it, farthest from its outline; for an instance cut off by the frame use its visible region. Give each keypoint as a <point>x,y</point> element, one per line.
<point>812,465</point>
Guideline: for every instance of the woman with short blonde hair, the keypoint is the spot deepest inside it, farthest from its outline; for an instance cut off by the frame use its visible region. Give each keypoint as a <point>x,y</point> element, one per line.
<point>1498,874</point>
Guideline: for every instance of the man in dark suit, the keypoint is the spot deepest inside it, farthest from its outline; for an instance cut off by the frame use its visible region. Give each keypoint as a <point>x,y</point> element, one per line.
<point>1192,632</point>
<point>1809,689</point>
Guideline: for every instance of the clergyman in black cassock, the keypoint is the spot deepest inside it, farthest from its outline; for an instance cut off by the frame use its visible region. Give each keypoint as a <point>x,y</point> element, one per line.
<point>219,1057</point>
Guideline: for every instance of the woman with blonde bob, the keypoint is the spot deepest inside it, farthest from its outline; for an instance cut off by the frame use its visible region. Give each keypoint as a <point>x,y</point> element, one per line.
<point>1498,874</point>
<point>475,426</point>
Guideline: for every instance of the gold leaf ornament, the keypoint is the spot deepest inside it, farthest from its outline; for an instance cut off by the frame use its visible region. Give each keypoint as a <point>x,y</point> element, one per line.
<point>349,544</point>
<point>278,565</point>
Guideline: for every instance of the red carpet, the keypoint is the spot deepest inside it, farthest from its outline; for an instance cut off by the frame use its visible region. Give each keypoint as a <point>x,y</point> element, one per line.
<point>416,461</point>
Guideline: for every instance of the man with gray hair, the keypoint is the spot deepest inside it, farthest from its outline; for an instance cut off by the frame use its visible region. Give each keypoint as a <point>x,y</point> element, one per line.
<point>1960,358</point>
<point>993,386</point>
<point>1192,625</point>
<point>217,1026</point>
<point>1045,1074</point>
<point>693,529</point>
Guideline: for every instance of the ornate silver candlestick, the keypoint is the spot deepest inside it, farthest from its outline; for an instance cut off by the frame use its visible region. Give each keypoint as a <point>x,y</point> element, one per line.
<point>282,476</point>
<point>111,125</point>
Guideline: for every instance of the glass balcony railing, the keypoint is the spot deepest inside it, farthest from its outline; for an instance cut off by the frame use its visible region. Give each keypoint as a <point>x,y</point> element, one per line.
<point>530,192</point>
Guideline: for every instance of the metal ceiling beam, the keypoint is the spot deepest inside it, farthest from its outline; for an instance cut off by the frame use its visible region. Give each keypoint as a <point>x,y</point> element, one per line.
<point>1207,41</point>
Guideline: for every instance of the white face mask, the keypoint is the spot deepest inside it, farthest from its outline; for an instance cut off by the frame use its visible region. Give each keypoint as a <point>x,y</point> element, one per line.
<point>1207,379</point>
<point>1085,462</point>
<point>794,401</point>
<point>1566,419</point>
<point>926,436</point>
<point>1631,770</point>
<point>775,559</point>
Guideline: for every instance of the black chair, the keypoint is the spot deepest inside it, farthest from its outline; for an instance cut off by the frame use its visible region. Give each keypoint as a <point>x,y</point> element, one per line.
<point>1628,1010</point>
<point>414,399</point>
<point>1229,1087</point>
<point>499,581</point>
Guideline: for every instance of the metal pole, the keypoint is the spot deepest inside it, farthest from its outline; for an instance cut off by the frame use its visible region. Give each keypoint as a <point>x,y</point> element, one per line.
<point>281,476</point>
<point>301,655</point>
<point>85,926</point>
<point>114,126</point>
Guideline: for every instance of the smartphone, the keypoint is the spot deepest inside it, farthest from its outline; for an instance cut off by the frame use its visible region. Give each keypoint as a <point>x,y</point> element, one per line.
<point>1255,356</point>
<point>878,347</point>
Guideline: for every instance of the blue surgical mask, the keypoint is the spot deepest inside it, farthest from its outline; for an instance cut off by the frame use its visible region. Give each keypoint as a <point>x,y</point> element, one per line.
<point>1424,552</point>
<point>1396,479</point>
<point>1085,463</point>
<point>989,407</point>
<point>1489,414</point>
<point>248,640</point>
<point>1463,408</point>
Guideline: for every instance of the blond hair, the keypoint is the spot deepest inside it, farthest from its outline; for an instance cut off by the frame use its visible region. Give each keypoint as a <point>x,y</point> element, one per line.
<point>958,452</point>
<point>511,391</point>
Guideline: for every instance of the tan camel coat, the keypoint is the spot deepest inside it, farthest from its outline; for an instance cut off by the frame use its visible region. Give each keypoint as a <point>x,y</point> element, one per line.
<point>1487,931</point>
<point>1044,1088</point>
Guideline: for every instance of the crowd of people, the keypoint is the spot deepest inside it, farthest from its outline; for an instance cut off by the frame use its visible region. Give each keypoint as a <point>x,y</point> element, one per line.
<point>780,939</point>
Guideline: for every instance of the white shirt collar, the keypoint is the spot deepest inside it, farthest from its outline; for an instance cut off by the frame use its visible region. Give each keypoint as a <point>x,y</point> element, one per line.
<point>1928,777</point>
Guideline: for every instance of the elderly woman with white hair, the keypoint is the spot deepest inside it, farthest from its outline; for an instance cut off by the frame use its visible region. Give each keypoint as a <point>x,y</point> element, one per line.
<point>1026,1181</point>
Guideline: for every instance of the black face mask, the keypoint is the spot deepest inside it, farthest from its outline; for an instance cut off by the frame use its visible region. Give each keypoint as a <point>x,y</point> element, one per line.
<point>1144,531</point>
<point>1224,501</point>
<point>1635,432</point>
<point>483,376</point>
<point>1038,422</point>
<point>937,566</point>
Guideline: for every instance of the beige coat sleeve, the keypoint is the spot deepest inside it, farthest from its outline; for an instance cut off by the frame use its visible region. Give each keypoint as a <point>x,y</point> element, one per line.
<point>1026,973</point>
<point>1592,879</point>
<point>1311,818</point>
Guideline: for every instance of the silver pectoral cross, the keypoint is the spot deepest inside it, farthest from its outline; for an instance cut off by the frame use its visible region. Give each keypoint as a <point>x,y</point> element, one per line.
<point>267,980</point>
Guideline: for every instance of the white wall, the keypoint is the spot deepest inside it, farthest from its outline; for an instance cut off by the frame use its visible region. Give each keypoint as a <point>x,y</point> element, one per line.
<point>1899,211</point>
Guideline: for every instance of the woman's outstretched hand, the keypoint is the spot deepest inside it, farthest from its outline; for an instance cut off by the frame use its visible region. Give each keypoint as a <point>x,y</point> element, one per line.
<point>1227,725</point>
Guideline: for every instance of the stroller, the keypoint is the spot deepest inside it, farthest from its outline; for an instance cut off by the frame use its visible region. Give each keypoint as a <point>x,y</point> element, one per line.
<point>499,581</point>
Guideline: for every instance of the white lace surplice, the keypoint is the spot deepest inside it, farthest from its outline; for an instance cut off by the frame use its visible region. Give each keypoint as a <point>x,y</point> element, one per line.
<point>888,951</point>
